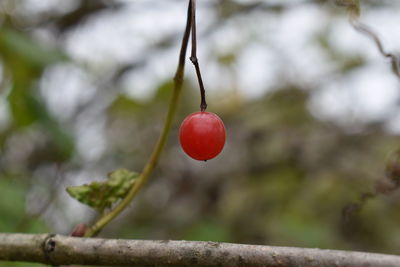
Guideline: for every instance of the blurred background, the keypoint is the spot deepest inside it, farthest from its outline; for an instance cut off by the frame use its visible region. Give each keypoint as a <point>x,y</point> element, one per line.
<point>310,106</point>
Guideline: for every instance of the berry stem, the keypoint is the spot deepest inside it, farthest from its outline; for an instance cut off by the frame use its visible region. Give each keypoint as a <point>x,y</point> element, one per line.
<point>193,56</point>
<point>152,161</point>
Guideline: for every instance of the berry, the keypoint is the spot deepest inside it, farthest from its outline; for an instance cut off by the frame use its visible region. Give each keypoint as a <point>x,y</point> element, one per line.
<point>202,135</point>
<point>79,230</point>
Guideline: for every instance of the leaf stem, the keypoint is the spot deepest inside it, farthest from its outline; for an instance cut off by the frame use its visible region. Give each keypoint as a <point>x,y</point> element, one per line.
<point>152,162</point>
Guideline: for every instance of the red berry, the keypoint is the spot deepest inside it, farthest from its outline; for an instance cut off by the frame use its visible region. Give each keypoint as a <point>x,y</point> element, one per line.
<point>202,135</point>
<point>79,230</point>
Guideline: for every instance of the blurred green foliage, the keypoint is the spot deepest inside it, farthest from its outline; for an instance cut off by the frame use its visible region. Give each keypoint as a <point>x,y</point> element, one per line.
<point>25,60</point>
<point>14,217</point>
<point>13,210</point>
<point>283,178</point>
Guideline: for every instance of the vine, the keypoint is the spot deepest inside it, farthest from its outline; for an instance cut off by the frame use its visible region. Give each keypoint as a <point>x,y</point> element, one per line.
<point>391,180</point>
<point>138,181</point>
<point>353,7</point>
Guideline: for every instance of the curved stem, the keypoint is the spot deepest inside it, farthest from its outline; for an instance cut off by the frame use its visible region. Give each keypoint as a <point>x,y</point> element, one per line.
<point>193,57</point>
<point>152,162</point>
<point>364,29</point>
<point>353,7</point>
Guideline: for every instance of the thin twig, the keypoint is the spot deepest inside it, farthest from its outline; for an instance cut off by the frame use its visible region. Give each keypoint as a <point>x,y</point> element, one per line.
<point>353,7</point>
<point>382,186</point>
<point>364,29</point>
<point>152,162</point>
<point>193,57</point>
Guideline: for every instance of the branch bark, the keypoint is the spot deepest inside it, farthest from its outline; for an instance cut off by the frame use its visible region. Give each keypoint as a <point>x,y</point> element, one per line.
<point>64,250</point>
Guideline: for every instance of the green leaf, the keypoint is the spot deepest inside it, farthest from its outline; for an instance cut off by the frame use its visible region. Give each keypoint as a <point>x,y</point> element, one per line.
<point>20,45</point>
<point>227,59</point>
<point>101,195</point>
<point>125,106</point>
<point>163,92</point>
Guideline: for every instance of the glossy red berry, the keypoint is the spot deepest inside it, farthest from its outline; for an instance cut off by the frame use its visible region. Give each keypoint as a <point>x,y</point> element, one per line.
<point>202,135</point>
